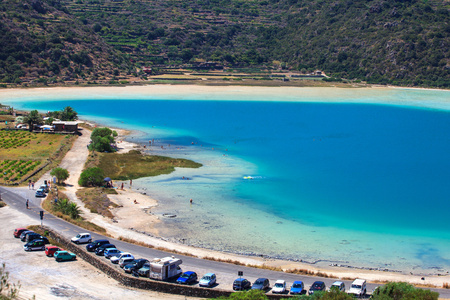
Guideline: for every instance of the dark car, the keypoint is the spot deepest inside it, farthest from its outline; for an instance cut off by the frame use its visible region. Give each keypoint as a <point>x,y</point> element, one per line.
<point>187,277</point>
<point>316,287</point>
<point>241,284</point>
<point>261,284</point>
<point>34,245</point>
<point>35,236</point>
<point>24,234</point>
<point>18,232</point>
<point>95,244</point>
<point>101,249</point>
<point>135,265</point>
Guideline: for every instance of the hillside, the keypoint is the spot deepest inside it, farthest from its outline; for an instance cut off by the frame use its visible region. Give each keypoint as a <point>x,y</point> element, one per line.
<point>42,43</point>
<point>390,42</point>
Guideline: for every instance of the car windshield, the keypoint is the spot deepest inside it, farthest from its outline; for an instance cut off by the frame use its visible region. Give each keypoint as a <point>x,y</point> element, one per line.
<point>206,278</point>
<point>78,236</point>
<point>316,286</point>
<point>278,285</point>
<point>297,285</point>
<point>356,286</point>
<point>185,275</point>
<point>259,282</point>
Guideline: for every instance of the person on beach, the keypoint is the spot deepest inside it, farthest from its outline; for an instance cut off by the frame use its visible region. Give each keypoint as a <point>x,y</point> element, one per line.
<point>29,184</point>
<point>190,201</point>
<point>131,182</point>
<point>26,204</point>
<point>121,187</point>
<point>32,185</point>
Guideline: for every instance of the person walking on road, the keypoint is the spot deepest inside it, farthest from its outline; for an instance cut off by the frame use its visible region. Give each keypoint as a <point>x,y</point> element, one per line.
<point>27,203</point>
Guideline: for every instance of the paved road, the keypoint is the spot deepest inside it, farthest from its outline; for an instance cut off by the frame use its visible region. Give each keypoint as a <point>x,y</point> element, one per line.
<point>226,273</point>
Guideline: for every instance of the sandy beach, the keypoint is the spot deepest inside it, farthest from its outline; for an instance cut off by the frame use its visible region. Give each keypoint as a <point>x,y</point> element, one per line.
<point>132,219</point>
<point>210,92</point>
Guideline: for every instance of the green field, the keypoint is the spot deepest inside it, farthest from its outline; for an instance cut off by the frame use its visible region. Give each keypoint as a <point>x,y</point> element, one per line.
<point>22,153</point>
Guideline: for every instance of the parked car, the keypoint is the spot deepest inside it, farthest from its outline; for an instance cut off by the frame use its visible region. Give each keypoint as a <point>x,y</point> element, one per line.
<point>64,255</point>
<point>44,187</point>
<point>35,236</point>
<point>187,277</point>
<point>82,238</point>
<point>241,284</point>
<point>358,288</point>
<point>40,193</point>
<point>24,234</point>
<point>18,232</point>
<point>116,259</point>
<point>125,261</point>
<point>135,265</point>
<point>95,244</point>
<point>297,288</point>
<point>338,285</point>
<point>261,284</point>
<point>208,280</point>
<point>50,250</point>
<point>101,249</point>
<point>34,245</point>
<point>110,252</point>
<point>279,287</point>
<point>144,270</point>
<point>317,286</point>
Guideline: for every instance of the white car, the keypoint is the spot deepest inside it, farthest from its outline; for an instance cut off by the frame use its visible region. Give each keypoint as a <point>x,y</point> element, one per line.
<point>338,285</point>
<point>82,238</point>
<point>279,287</point>
<point>115,259</point>
<point>125,261</point>
<point>358,288</point>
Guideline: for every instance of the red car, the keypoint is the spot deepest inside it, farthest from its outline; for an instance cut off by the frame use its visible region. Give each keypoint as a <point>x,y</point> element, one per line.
<point>18,232</point>
<point>50,250</point>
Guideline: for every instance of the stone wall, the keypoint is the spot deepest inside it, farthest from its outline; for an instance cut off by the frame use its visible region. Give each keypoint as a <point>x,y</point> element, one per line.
<point>138,282</point>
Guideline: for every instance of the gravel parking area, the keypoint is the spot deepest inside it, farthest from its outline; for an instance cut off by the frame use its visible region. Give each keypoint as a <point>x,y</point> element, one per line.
<point>44,278</point>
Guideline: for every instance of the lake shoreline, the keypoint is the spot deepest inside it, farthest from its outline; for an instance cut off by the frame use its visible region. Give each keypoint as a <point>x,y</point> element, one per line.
<point>181,90</point>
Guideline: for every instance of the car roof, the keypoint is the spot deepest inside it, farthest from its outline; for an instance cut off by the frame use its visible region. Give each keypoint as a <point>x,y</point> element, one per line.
<point>318,282</point>
<point>189,272</point>
<point>359,281</point>
<point>209,274</point>
<point>52,247</point>
<point>240,279</point>
<point>337,283</point>
<point>83,233</point>
<point>297,281</point>
<point>280,281</point>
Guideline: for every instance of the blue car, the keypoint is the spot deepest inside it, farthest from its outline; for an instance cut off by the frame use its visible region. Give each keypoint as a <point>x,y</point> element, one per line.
<point>297,288</point>
<point>187,278</point>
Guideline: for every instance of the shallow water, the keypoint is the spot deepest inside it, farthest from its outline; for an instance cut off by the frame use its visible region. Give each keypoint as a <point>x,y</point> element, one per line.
<point>358,184</point>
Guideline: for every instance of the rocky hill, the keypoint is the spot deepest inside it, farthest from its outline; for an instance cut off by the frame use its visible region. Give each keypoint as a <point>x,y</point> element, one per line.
<point>400,42</point>
<point>41,42</point>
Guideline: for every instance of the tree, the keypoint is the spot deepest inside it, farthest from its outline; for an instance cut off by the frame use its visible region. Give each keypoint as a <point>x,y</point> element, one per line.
<point>403,290</point>
<point>68,114</point>
<point>91,177</point>
<point>60,174</point>
<point>33,118</point>
<point>102,140</point>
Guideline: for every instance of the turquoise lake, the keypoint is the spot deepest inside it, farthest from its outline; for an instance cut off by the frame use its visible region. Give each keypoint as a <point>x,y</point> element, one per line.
<point>366,185</point>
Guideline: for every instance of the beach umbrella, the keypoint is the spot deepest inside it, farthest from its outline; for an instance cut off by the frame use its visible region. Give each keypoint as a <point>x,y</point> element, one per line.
<point>107,179</point>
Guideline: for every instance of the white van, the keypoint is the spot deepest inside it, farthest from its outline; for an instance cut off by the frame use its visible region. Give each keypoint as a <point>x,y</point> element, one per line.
<point>358,288</point>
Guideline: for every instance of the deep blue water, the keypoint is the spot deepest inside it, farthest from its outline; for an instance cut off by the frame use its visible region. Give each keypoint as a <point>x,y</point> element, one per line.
<point>373,167</point>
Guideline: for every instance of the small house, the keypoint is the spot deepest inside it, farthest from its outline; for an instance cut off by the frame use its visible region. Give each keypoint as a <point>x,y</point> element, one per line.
<point>66,126</point>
